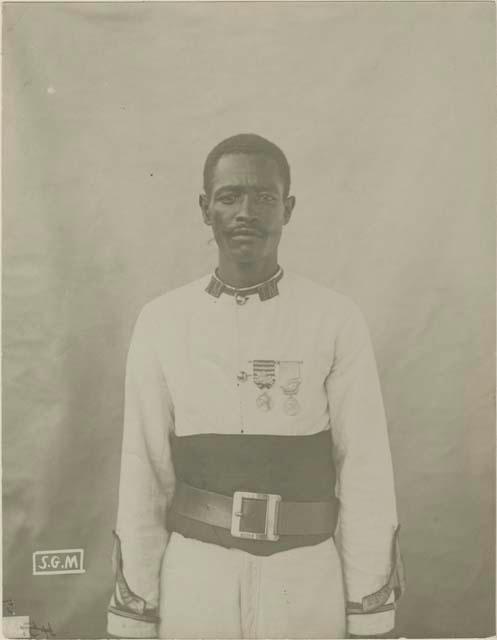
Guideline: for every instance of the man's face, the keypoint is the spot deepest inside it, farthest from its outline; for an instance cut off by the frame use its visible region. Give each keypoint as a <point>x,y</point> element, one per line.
<point>246,206</point>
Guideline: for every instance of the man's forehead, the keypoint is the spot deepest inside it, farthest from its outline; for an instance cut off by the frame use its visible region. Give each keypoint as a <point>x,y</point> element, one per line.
<point>243,169</point>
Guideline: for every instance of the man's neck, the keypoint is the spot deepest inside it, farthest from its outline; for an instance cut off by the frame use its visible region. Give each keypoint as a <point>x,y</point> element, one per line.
<point>246,274</point>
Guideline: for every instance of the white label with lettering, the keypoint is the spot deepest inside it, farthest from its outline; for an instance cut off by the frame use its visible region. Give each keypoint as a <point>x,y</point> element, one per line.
<point>58,561</point>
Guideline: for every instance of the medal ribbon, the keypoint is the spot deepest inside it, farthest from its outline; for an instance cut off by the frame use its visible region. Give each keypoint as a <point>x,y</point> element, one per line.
<point>290,377</point>
<point>264,373</point>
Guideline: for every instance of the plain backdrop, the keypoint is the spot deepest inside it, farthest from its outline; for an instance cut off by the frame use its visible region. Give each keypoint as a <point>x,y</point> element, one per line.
<point>386,113</point>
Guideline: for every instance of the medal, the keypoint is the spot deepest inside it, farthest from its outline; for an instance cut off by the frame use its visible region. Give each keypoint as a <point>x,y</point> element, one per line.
<point>264,376</point>
<point>264,402</point>
<point>291,406</point>
<point>291,381</point>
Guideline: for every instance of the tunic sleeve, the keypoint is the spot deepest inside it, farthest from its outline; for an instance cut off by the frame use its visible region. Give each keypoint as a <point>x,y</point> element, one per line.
<point>146,485</point>
<point>367,532</point>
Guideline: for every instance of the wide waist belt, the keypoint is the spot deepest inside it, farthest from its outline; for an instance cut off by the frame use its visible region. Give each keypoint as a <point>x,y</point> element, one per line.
<point>255,516</point>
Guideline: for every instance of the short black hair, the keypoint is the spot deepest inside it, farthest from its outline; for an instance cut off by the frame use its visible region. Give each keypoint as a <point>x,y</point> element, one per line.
<point>249,143</point>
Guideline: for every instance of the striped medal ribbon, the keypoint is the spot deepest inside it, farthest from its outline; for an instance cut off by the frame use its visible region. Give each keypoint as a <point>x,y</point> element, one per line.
<point>264,377</point>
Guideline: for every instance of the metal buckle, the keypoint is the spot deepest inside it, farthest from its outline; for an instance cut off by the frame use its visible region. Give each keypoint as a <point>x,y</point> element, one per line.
<point>272,501</point>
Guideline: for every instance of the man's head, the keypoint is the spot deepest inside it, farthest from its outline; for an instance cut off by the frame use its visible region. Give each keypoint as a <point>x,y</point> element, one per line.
<point>246,199</point>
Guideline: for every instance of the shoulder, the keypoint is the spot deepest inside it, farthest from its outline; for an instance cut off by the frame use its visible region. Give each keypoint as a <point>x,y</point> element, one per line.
<point>174,303</point>
<point>327,300</point>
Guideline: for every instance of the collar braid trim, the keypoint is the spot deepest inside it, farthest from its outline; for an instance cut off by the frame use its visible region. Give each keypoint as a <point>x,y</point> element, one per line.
<point>266,290</point>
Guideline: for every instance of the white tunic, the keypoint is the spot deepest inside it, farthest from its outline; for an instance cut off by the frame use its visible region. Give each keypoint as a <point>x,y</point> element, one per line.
<point>190,370</point>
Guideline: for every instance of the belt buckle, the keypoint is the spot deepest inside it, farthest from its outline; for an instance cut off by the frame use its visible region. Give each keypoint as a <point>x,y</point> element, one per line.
<point>272,501</point>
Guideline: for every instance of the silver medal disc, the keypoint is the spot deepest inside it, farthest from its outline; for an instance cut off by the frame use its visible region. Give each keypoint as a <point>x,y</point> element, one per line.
<point>264,402</point>
<point>291,406</point>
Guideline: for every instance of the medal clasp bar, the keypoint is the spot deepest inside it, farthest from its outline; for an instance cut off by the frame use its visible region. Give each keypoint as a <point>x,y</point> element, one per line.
<point>272,501</point>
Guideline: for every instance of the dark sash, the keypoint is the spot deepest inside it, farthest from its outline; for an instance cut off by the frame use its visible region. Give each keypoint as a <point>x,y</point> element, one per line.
<point>299,468</point>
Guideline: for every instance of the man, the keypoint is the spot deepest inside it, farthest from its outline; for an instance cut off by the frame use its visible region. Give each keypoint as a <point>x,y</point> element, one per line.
<point>256,491</point>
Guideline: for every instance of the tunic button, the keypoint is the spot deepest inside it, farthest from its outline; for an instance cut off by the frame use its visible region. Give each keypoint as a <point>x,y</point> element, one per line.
<point>242,376</point>
<point>240,299</point>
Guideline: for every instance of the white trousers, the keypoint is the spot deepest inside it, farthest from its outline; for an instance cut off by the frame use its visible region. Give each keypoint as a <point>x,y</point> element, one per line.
<point>210,592</point>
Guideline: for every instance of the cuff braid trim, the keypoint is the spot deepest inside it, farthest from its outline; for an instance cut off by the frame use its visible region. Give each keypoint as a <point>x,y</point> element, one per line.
<point>152,619</point>
<point>125,602</point>
<point>377,601</point>
<point>352,611</point>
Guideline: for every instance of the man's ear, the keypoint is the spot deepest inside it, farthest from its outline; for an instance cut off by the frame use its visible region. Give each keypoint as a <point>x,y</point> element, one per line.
<point>289,206</point>
<point>203,201</point>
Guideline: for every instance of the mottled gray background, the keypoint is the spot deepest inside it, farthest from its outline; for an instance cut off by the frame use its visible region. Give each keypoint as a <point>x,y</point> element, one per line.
<point>386,112</point>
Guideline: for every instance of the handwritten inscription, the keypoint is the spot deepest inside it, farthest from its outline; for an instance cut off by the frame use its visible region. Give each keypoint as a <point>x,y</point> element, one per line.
<point>9,607</point>
<point>36,631</point>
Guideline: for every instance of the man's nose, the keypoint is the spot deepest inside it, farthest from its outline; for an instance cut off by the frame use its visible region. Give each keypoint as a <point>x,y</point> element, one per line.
<point>246,209</point>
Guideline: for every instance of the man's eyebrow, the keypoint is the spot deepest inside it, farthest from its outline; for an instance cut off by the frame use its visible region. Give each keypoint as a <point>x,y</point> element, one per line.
<point>267,188</point>
<point>239,189</point>
<point>228,187</point>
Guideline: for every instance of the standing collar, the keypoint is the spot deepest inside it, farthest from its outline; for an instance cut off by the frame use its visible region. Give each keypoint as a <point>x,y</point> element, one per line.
<point>266,290</point>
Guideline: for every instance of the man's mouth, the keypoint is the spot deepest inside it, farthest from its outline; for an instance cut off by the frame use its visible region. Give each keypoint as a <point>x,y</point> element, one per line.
<point>245,231</point>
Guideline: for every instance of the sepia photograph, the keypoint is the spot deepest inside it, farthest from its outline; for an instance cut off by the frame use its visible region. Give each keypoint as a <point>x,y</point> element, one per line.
<point>248,319</point>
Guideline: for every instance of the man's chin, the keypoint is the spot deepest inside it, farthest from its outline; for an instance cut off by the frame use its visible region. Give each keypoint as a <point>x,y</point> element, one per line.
<point>245,252</point>
<point>245,255</point>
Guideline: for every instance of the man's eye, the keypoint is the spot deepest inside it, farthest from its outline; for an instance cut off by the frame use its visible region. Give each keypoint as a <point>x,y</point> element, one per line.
<point>267,198</point>
<point>227,199</point>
